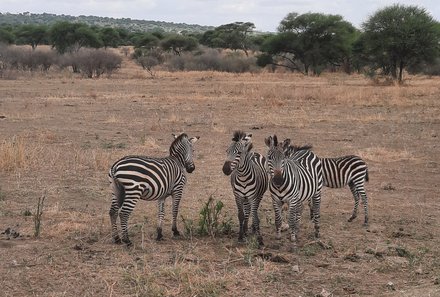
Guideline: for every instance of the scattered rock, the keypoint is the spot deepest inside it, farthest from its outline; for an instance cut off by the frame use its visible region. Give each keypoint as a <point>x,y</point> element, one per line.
<point>352,257</point>
<point>325,293</point>
<point>398,261</point>
<point>10,233</point>
<point>390,286</point>
<point>2,117</point>
<point>388,187</point>
<point>295,268</point>
<point>272,258</point>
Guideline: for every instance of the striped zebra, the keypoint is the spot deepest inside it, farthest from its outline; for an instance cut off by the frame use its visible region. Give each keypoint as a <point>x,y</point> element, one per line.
<point>139,177</point>
<point>249,181</point>
<point>340,172</point>
<point>293,181</point>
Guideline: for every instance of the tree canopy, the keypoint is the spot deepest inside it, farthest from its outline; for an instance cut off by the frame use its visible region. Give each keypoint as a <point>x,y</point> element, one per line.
<point>399,36</point>
<point>310,41</point>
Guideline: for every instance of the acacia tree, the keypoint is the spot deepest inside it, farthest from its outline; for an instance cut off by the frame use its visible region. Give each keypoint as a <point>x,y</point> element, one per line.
<point>235,36</point>
<point>70,37</point>
<point>109,37</point>
<point>310,41</point>
<point>399,36</point>
<point>178,43</point>
<point>32,35</point>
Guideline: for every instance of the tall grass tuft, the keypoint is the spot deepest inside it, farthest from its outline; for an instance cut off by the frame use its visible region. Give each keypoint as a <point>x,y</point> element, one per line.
<point>13,154</point>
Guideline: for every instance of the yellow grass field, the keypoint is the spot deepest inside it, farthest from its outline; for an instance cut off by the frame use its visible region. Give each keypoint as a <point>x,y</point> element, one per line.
<point>60,133</point>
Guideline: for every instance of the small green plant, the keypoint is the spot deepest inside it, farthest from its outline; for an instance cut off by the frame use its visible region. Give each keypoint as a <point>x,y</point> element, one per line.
<point>38,215</point>
<point>209,219</point>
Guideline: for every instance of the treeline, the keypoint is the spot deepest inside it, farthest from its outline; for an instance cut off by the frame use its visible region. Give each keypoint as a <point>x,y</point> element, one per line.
<point>395,39</point>
<point>125,23</point>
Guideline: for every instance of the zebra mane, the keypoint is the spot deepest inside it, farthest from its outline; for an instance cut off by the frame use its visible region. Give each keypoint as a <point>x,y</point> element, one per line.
<point>249,147</point>
<point>297,148</point>
<point>238,135</point>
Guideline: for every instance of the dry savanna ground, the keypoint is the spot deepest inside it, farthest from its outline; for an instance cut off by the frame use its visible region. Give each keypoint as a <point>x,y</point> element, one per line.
<point>60,133</point>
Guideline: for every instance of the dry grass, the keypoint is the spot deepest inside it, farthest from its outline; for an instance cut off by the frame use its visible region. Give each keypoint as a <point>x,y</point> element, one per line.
<point>60,134</point>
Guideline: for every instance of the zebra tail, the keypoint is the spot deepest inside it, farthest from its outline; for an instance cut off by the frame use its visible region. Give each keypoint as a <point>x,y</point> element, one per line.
<point>119,191</point>
<point>366,176</point>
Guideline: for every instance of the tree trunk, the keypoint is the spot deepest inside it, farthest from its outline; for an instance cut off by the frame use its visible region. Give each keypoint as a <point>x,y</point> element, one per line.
<point>401,65</point>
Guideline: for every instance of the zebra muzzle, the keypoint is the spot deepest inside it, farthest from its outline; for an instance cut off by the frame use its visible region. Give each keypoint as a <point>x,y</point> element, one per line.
<point>227,168</point>
<point>278,178</point>
<point>190,168</point>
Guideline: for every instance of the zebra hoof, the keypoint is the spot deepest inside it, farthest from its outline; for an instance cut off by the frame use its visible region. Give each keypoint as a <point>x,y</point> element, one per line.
<point>351,219</point>
<point>159,237</point>
<point>176,233</point>
<point>127,242</point>
<point>117,240</point>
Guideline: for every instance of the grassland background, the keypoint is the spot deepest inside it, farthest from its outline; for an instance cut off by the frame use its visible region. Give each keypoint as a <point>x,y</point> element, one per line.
<point>60,133</point>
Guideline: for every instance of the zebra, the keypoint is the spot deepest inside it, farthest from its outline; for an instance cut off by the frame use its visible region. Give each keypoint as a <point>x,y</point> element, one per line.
<point>148,178</point>
<point>342,171</point>
<point>249,181</point>
<point>293,181</point>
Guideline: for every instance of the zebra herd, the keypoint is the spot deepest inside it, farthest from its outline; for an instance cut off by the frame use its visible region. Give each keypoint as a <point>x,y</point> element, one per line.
<point>293,175</point>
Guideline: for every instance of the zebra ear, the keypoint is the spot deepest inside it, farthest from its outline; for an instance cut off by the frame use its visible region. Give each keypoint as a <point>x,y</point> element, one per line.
<point>269,141</point>
<point>286,143</point>
<point>248,137</point>
<point>275,140</point>
<point>194,139</point>
<point>174,135</point>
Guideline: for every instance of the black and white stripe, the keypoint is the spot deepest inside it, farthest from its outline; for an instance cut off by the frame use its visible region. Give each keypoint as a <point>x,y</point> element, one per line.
<point>340,172</point>
<point>249,181</point>
<point>293,181</point>
<point>138,177</point>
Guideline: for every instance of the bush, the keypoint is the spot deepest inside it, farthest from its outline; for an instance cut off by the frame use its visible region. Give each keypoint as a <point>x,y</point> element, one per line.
<point>38,60</point>
<point>92,62</point>
<point>212,60</point>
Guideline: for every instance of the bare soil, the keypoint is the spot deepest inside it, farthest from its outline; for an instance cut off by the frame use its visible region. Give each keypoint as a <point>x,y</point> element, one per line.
<point>60,133</point>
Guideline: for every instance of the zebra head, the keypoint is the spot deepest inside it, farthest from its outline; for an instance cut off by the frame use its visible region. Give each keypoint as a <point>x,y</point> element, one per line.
<point>182,149</point>
<point>241,144</point>
<point>275,160</point>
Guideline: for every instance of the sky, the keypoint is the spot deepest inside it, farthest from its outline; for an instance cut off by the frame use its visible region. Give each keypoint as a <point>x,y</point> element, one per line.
<point>265,14</point>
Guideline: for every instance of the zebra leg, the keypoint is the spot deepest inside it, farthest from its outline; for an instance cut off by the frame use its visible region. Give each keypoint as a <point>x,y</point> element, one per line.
<point>175,210</point>
<point>126,209</point>
<point>311,209</point>
<point>363,194</point>
<point>114,211</point>
<point>161,215</point>
<point>277,204</point>
<point>239,202</point>
<point>247,210</point>
<point>316,212</point>
<point>256,220</point>
<point>356,201</point>
<point>295,210</point>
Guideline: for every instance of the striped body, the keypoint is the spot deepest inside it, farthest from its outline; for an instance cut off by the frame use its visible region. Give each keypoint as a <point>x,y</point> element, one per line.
<point>294,181</point>
<point>351,171</point>
<point>249,181</point>
<point>138,177</point>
